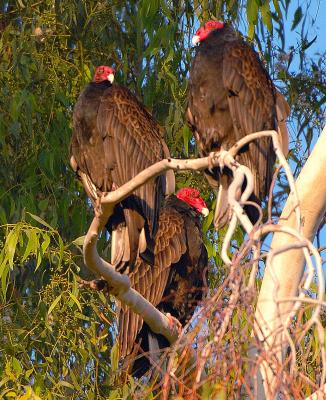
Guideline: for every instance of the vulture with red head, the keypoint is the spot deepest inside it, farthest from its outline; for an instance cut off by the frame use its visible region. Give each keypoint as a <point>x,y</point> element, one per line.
<point>174,284</point>
<point>230,96</point>
<point>115,138</point>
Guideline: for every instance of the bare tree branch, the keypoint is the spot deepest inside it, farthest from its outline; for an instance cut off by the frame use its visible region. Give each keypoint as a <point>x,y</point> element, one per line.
<point>278,302</point>
<point>120,284</point>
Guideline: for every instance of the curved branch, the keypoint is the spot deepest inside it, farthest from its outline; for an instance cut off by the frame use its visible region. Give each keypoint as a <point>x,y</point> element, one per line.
<point>157,321</point>
<point>120,284</point>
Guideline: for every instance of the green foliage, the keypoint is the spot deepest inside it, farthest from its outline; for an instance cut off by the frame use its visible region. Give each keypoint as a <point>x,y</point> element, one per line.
<point>56,338</point>
<point>53,333</point>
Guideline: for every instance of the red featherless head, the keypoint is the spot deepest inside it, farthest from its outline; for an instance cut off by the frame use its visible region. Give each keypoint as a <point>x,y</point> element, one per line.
<point>205,30</point>
<point>192,197</point>
<point>104,73</point>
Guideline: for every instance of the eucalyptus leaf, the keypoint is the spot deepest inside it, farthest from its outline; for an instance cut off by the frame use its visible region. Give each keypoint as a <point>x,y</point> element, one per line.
<point>54,303</point>
<point>40,220</point>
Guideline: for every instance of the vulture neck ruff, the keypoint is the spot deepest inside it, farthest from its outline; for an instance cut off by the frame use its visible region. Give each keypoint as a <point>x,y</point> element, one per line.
<point>182,206</point>
<point>216,36</point>
<point>101,85</point>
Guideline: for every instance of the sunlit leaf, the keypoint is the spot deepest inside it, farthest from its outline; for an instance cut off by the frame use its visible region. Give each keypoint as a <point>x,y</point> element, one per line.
<point>79,241</point>
<point>29,395</point>
<point>66,384</point>
<point>76,301</point>
<point>11,243</point>
<point>207,221</point>
<point>266,15</point>
<point>11,394</point>
<point>252,11</point>
<point>54,303</point>
<point>31,243</point>
<point>16,365</point>
<point>114,357</point>
<point>45,243</point>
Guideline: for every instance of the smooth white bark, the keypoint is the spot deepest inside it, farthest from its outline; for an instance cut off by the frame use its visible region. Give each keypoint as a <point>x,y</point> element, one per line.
<point>283,275</point>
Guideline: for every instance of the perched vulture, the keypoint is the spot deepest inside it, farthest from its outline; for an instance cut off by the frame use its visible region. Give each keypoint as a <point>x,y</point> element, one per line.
<point>175,283</point>
<point>114,138</point>
<point>231,95</point>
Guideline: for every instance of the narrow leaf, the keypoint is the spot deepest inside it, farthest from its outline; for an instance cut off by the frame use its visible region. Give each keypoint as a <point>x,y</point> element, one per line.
<point>79,241</point>
<point>66,384</point>
<point>31,244</point>
<point>45,243</point>
<point>40,220</point>
<point>277,8</point>
<point>74,380</point>
<point>114,356</point>
<point>54,303</point>
<point>186,137</point>
<point>251,31</point>
<point>252,11</point>
<point>267,16</point>
<point>4,280</point>
<point>306,45</point>
<point>76,301</point>
<point>297,18</point>
<point>11,244</point>
<point>207,221</point>
<point>16,365</point>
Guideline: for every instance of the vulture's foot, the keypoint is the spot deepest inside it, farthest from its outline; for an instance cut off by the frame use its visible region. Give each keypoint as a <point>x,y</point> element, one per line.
<point>73,164</point>
<point>222,208</point>
<point>98,206</point>
<point>174,324</point>
<point>216,159</point>
<point>95,284</point>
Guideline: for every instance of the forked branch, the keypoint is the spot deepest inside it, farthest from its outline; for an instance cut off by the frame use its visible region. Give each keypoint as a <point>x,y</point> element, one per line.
<point>158,322</point>
<point>120,284</point>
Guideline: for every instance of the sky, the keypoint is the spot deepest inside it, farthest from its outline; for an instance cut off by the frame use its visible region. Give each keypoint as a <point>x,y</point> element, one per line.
<point>316,18</point>
<point>317,26</point>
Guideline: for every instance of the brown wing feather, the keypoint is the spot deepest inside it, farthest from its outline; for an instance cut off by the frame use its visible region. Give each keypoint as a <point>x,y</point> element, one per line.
<point>150,282</point>
<point>283,112</point>
<point>251,99</point>
<point>230,96</point>
<point>86,144</point>
<point>133,140</point>
<point>114,139</point>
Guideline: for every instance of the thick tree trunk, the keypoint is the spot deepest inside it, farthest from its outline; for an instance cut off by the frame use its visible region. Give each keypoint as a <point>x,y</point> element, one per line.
<point>282,277</point>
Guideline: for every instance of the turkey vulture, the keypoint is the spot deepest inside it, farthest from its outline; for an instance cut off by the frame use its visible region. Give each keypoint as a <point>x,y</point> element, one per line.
<point>175,283</point>
<point>231,95</point>
<point>114,138</point>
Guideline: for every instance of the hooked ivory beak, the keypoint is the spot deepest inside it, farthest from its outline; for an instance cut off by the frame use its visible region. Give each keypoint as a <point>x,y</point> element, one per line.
<point>195,39</point>
<point>205,212</point>
<point>111,78</point>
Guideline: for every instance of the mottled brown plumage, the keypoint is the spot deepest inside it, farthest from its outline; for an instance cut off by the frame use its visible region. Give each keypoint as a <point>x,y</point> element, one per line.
<point>115,138</point>
<point>174,284</point>
<point>230,96</point>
